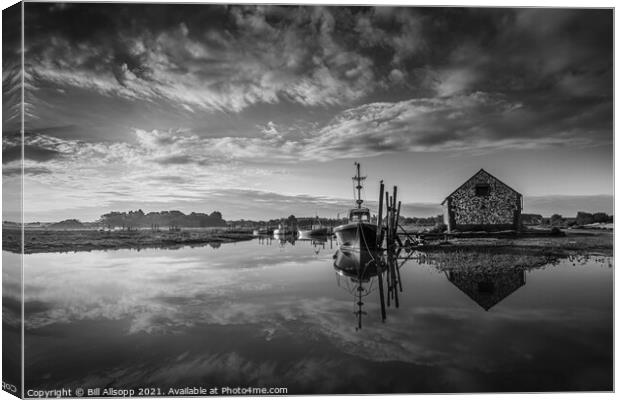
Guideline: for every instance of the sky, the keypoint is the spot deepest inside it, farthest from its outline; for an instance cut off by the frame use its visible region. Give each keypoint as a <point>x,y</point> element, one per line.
<point>261,111</point>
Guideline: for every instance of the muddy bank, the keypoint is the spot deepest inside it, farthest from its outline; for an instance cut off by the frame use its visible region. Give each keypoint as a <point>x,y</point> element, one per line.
<point>46,241</point>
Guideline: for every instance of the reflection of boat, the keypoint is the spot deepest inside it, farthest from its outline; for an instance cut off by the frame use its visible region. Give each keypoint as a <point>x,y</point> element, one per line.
<point>285,237</point>
<point>360,267</point>
<point>487,288</point>
<point>359,232</point>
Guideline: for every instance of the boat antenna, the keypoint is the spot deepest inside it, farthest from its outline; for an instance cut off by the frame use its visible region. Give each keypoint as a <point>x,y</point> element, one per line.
<point>359,186</point>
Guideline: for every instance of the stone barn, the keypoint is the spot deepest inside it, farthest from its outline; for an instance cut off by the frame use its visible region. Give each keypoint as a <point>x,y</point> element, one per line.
<point>483,202</point>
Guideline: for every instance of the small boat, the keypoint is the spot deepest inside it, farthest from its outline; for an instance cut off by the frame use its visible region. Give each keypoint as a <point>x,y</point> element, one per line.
<point>284,238</point>
<point>359,232</point>
<point>282,230</point>
<point>316,230</point>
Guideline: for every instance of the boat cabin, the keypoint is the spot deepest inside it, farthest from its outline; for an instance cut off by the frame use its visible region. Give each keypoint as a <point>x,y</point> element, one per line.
<point>359,215</point>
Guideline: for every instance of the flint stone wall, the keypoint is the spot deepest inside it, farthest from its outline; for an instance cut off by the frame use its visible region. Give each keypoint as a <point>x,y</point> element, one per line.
<point>500,209</point>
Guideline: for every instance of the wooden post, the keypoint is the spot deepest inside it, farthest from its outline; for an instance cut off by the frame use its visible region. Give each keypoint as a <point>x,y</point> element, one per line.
<point>392,213</point>
<point>391,221</point>
<point>380,218</point>
<point>394,278</point>
<point>396,225</point>
<point>387,217</point>
<point>380,278</point>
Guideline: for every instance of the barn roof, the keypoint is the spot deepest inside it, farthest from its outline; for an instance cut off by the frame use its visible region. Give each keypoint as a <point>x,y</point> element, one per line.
<point>472,177</point>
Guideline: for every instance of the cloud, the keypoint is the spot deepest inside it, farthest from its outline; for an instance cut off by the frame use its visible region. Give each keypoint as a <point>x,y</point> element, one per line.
<point>568,206</point>
<point>17,171</point>
<point>476,122</point>
<point>261,57</point>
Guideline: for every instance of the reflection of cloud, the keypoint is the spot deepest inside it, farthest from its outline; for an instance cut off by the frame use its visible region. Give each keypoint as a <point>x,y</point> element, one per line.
<point>192,299</point>
<point>203,293</point>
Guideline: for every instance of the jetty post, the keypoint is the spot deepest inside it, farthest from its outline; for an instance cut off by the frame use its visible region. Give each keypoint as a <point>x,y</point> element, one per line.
<point>380,277</point>
<point>387,217</point>
<point>380,217</point>
<point>396,225</point>
<point>394,221</point>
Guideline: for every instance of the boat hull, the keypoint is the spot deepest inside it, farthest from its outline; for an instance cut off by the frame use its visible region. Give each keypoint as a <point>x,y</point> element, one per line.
<point>357,235</point>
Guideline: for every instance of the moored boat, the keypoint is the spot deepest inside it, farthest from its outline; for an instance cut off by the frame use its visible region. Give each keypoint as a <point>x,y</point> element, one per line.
<point>359,232</point>
<point>261,232</point>
<point>316,230</point>
<point>282,230</point>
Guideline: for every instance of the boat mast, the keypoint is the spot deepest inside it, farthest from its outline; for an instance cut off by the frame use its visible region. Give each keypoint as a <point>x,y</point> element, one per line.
<point>359,186</point>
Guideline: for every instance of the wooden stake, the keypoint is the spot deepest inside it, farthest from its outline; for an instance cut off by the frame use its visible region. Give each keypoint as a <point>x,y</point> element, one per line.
<point>380,218</point>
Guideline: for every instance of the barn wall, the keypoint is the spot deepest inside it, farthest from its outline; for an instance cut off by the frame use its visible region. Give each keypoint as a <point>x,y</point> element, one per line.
<point>500,209</point>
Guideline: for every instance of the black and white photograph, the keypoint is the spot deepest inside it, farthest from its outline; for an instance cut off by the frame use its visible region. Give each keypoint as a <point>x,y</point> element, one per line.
<point>215,199</point>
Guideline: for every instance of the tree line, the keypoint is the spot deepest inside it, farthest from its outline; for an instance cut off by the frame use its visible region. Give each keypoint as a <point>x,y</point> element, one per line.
<point>174,218</point>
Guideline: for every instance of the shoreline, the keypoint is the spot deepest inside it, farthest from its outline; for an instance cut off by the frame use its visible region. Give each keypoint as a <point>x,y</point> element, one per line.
<point>571,242</point>
<point>50,241</point>
<point>62,241</point>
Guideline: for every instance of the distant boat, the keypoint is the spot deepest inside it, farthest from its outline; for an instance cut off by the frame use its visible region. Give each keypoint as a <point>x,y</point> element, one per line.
<point>359,233</point>
<point>316,230</point>
<point>262,231</point>
<point>282,230</point>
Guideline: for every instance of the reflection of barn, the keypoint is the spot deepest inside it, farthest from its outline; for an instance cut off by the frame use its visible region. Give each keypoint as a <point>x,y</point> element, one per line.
<point>487,289</point>
<point>483,202</point>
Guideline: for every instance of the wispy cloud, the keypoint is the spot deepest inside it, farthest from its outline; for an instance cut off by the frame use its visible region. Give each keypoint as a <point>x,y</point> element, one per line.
<point>267,57</point>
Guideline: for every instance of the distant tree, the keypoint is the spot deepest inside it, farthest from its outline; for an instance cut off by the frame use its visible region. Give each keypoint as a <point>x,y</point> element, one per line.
<point>531,219</point>
<point>163,218</point>
<point>584,218</point>
<point>600,217</point>
<point>556,219</point>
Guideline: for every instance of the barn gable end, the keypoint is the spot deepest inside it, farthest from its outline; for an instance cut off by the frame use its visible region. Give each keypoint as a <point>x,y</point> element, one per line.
<point>483,202</point>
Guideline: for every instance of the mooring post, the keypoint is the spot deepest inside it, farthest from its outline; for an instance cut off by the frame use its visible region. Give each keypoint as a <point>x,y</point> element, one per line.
<point>393,265</point>
<point>387,218</point>
<point>396,226</point>
<point>380,217</point>
<point>394,218</point>
<point>392,208</point>
<point>381,293</point>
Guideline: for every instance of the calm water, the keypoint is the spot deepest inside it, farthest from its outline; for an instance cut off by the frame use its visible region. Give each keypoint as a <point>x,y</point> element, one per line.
<point>261,314</point>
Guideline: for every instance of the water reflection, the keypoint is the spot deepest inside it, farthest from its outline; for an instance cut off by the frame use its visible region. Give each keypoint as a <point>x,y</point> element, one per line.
<point>256,314</point>
<point>487,289</point>
<point>359,268</point>
<point>284,238</point>
<point>362,272</point>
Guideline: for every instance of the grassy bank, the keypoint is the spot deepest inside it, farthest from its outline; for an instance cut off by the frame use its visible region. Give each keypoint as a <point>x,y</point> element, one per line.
<point>45,241</point>
<point>575,242</point>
